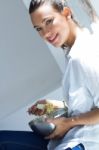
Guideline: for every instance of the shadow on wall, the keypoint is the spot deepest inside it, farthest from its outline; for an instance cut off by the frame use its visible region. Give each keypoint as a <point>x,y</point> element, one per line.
<point>83,10</point>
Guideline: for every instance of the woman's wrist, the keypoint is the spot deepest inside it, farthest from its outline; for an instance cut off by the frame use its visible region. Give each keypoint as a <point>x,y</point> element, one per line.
<point>88,118</point>
<point>74,121</point>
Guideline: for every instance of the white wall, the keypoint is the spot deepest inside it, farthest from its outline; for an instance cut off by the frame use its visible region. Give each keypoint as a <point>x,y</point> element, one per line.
<point>26,63</point>
<point>95,4</point>
<point>19,119</point>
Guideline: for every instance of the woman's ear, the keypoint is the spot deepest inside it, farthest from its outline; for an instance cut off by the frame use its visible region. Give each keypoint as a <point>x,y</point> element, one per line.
<point>67,12</point>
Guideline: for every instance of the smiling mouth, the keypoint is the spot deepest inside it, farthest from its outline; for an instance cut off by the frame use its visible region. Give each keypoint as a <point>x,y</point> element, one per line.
<point>53,38</point>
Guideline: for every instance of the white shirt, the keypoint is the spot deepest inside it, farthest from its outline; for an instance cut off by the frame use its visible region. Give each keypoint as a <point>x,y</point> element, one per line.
<point>81,90</point>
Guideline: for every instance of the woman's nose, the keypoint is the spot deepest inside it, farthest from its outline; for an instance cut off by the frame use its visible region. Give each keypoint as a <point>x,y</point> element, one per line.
<point>46,33</point>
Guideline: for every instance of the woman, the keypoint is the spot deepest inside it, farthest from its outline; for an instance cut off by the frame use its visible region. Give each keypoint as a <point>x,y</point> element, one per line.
<point>55,24</point>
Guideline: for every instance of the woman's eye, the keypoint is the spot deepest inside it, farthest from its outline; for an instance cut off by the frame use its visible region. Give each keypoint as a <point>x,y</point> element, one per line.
<point>50,21</point>
<point>38,29</point>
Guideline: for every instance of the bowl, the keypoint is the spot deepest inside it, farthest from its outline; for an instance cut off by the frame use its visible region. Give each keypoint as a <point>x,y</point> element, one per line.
<point>43,128</point>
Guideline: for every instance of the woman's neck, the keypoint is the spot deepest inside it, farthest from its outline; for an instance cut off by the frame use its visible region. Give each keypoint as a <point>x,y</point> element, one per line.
<point>73,34</point>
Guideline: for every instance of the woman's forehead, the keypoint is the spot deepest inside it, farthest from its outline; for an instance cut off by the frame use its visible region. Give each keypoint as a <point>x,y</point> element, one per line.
<point>44,11</point>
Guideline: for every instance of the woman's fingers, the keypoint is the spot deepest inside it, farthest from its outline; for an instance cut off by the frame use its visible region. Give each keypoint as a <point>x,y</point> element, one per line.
<point>45,106</point>
<point>32,109</point>
<point>39,112</point>
<point>36,108</point>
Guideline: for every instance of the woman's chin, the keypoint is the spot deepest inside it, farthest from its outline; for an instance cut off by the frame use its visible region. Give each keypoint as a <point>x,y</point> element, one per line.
<point>57,45</point>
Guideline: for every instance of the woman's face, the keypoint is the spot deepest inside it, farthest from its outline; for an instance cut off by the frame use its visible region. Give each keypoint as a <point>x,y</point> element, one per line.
<point>51,25</point>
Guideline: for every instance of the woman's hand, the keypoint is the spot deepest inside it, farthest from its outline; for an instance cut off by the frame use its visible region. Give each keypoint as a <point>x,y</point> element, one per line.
<point>63,125</point>
<point>44,106</point>
<point>35,110</point>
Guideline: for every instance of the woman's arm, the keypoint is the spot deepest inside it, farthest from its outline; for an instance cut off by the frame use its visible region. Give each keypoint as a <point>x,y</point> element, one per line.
<point>63,125</point>
<point>89,118</point>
